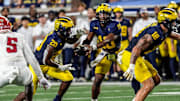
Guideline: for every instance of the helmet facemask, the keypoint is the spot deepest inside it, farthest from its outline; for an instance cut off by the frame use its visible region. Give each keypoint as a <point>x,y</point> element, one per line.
<point>103,17</point>
<point>169,25</point>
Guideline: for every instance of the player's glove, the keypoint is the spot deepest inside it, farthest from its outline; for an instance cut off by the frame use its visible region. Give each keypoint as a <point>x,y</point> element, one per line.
<point>45,83</point>
<point>66,67</point>
<point>81,50</point>
<point>130,72</point>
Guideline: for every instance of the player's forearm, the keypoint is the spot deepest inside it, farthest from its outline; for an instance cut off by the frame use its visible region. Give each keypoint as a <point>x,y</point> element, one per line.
<point>135,54</point>
<point>108,39</point>
<point>175,35</point>
<point>103,43</point>
<point>130,33</point>
<point>89,38</point>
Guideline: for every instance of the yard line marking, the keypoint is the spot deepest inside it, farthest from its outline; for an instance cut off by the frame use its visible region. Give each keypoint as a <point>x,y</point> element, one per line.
<point>70,92</point>
<point>105,83</point>
<point>2,91</point>
<point>166,93</point>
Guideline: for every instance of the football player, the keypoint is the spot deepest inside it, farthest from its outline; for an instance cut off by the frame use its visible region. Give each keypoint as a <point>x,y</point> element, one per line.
<point>108,34</point>
<point>132,61</point>
<point>15,55</point>
<point>171,52</point>
<point>47,51</point>
<point>126,36</point>
<point>126,26</point>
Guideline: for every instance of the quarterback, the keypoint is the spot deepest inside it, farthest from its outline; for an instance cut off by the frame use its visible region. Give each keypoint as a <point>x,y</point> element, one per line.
<point>108,34</point>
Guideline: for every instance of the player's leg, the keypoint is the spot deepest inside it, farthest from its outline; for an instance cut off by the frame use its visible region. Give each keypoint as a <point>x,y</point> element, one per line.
<point>20,97</point>
<point>157,79</point>
<point>62,89</point>
<point>96,85</point>
<point>26,95</point>
<point>149,81</point>
<point>135,85</point>
<point>172,51</point>
<point>144,73</point>
<point>30,89</point>
<point>8,75</point>
<point>146,88</point>
<point>148,85</point>
<point>3,80</point>
<point>83,63</point>
<point>28,92</point>
<point>100,70</point>
<point>65,76</point>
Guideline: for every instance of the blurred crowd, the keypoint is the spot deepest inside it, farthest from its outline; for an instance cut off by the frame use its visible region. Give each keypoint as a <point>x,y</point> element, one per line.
<point>49,3</point>
<point>36,26</point>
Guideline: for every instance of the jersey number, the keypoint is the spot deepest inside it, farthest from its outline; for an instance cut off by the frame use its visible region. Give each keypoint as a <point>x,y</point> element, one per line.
<point>124,31</point>
<point>110,45</point>
<point>11,43</point>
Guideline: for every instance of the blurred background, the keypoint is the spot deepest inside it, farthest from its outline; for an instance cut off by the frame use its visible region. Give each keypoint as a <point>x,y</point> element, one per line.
<point>35,19</point>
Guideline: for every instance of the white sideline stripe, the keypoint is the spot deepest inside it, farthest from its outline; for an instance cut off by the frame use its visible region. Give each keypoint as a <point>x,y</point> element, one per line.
<point>106,83</point>
<point>112,97</point>
<point>2,91</point>
<point>88,98</point>
<point>168,93</point>
<point>72,92</point>
<point>114,83</point>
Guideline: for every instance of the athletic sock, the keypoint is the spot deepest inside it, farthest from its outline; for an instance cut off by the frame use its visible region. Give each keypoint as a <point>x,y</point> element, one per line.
<point>57,98</point>
<point>94,100</point>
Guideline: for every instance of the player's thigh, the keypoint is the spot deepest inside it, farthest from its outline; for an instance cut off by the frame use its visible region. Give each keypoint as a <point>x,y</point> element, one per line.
<point>58,74</point>
<point>141,70</point>
<point>163,51</point>
<point>172,53</point>
<point>104,66</point>
<point>124,44</point>
<point>24,77</point>
<point>125,60</point>
<point>3,80</point>
<point>151,69</point>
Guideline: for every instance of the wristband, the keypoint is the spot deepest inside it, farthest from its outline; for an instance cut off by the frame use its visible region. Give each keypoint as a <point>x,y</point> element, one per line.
<point>132,66</point>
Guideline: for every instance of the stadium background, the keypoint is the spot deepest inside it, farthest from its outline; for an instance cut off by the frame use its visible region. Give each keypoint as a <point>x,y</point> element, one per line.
<point>115,87</point>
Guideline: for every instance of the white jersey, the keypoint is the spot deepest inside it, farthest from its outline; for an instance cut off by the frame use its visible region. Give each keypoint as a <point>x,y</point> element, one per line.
<point>15,54</point>
<point>11,50</point>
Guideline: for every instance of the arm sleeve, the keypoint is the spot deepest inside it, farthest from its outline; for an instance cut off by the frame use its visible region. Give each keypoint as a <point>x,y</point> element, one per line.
<point>116,29</point>
<point>129,23</point>
<point>91,27</point>
<point>30,58</point>
<point>154,34</point>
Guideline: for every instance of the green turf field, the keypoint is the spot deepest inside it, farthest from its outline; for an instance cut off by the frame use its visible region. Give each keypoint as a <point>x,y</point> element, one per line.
<point>83,92</point>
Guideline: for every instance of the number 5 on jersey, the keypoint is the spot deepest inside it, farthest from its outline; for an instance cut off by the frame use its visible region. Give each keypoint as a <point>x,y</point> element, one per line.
<point>11,45</point>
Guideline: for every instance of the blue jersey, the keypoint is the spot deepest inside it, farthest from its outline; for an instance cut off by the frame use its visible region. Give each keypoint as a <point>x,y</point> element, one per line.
<point>101,33</point>
<point>125,24</point>
<point>33,23</point>
<point>51,39</point>
<point>155,31</point>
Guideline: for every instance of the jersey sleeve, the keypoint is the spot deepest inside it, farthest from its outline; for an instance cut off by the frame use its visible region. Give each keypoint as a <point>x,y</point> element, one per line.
<point>53,43</point>
<point>115,29</point>
<point>92,26</point>
<point>129,23</point>
<point>154,34</point>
